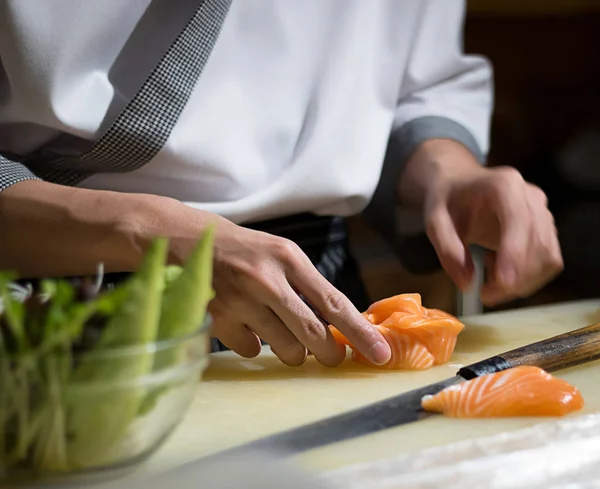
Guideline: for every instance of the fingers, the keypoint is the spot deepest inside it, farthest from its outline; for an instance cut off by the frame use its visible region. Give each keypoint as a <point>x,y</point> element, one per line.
<point>454,256</point>
<point>338,311</point>
<point>257,280</point>
<point>278,335</point>
<point>237,337</point>
<point>528,254</point>
<point>545,260</point>
<point>506,215</point>
<point>515,220</point>
<point>494,290</point>
<point>307,328</point>
<point>243,321</point>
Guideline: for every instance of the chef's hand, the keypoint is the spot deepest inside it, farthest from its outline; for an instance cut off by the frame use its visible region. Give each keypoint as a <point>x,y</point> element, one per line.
<point>257,279</point>
<point>465,203</point>
<point>51,230</point>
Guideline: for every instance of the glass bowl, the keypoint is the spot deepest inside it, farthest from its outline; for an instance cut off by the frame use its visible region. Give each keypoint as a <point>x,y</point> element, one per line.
<point>110,415</point>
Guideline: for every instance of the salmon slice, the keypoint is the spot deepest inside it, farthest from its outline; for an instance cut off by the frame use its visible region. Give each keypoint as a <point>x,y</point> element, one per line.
<point>418,337</point>
<point>518,391</point>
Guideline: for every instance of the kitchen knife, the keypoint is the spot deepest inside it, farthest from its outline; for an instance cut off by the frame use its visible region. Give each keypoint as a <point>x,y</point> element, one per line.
<point>556,353</point>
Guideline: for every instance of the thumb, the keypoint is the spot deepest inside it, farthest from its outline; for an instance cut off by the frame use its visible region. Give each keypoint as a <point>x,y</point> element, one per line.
<point>454,256</point>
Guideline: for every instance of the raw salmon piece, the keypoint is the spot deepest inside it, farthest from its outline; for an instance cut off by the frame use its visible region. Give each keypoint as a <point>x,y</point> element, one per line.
<point>518,391</point>
<point>419,337</point>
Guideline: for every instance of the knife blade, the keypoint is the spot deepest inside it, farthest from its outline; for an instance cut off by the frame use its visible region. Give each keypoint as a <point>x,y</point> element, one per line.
<point>556,353</point>
<point>394,411</point>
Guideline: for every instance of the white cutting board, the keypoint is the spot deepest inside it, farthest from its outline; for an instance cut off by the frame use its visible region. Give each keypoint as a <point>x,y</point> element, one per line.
<point>241,400</point>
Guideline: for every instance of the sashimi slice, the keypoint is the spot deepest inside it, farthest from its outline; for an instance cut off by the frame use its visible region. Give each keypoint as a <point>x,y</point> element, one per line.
<point>407,352</point>
<point>419,337</point>
<point>379,311</point>
<point>518,391</point>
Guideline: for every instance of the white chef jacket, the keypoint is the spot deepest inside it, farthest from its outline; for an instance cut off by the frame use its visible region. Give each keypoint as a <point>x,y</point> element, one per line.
<point>294,111</point>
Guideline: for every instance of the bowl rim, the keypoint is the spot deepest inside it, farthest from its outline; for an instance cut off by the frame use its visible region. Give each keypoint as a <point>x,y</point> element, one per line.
<point>149,347</point>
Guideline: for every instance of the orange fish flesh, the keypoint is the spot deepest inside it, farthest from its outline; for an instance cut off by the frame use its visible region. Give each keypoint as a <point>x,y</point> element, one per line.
<point>419,337</point>
<point>518,391</point>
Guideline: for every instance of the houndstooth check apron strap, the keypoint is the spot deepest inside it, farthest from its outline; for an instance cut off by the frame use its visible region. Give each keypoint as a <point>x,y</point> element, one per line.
<point>142,128</point>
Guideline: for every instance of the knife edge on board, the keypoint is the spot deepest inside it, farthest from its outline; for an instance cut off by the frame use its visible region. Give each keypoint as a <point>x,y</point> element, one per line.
<point>556,353</point>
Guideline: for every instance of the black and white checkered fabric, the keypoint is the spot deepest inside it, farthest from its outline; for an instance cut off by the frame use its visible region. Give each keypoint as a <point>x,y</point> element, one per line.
<point>12,172</point>
<point>142,128</point>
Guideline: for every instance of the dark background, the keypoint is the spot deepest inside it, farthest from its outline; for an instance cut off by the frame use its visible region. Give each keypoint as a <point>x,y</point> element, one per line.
<point>546,123</point>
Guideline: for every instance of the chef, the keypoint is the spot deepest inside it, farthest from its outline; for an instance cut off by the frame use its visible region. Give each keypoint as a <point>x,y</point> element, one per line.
<point>274,120</point>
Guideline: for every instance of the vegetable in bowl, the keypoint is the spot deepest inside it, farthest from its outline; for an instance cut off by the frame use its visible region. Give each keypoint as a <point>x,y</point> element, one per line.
<point>84,369</point>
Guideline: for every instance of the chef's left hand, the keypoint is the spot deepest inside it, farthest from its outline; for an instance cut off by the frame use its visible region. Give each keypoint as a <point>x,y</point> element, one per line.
<point>465,203</point>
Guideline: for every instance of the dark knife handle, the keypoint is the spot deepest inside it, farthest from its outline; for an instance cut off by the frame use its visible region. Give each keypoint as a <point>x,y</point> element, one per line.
<point>559,352</point>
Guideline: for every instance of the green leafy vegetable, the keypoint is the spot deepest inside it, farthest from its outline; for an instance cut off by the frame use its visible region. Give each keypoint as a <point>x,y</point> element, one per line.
<point>37,368</point>
<point>172,272</point>
<point>189,292</point>
<point>75,361</point>
<point>135,322</point>
<point>13,313</point>
<point>184,304</point>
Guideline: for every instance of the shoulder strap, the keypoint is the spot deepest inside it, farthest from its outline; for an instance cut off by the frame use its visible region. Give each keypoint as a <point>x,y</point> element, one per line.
<point>142,128</point>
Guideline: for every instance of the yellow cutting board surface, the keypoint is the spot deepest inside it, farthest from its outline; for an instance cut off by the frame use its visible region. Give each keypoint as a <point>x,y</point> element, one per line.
<point>240,400</point>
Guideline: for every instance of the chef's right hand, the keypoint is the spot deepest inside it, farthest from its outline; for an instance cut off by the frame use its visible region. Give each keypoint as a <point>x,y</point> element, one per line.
<point>257,279</point>
<point>51,230</point>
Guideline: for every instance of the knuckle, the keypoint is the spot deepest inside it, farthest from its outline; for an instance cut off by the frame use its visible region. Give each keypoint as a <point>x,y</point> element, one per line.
<point>506,177</point>
<point>538,195</point>
<point>335,304</point>
<point>285,249</point>
<point>556,259</point>
<point>510,174</point>
<point>559,265</point>
<point>514,252</point>
<point>314,330</point>
<point>315,336</point>
<point>430,223</point>
<point>551,253</point>
<point>444,251</point>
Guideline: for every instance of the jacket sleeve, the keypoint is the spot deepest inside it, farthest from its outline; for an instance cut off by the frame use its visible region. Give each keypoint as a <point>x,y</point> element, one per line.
<point>12,172</point>
<point>444,94</point>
